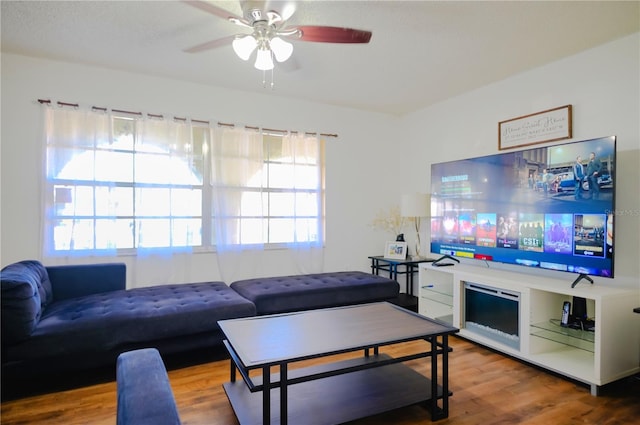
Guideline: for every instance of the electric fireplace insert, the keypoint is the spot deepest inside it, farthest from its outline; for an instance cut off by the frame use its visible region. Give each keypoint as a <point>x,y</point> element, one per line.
<point>493,313</point>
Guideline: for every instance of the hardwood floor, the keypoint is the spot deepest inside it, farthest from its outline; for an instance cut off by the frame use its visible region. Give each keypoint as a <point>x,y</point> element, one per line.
<point>488,388</point>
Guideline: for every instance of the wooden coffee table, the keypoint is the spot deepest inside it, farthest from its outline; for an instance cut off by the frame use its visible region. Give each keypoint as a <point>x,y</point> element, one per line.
<point>336,392</point>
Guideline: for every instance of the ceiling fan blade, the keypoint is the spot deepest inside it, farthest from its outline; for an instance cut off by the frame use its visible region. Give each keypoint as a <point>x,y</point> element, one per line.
<point>214,10</point>
<point>211,44</point>
<point>324,34</point>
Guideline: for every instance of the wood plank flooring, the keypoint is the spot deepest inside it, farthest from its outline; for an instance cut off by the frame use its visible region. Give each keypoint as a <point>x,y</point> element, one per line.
<point>488,388</point>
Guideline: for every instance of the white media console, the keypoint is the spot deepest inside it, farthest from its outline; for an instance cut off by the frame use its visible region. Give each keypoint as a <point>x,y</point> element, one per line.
<point>596,357</point>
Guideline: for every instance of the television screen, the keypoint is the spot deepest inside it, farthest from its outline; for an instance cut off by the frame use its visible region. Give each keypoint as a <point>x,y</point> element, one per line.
<point>549,207</point>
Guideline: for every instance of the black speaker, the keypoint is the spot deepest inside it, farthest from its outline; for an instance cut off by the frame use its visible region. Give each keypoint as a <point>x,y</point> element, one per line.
<point>579,309</point>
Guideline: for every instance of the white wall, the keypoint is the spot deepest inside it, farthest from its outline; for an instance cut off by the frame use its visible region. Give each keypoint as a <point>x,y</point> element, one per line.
<point>362,164</point>
<point>602,84</point>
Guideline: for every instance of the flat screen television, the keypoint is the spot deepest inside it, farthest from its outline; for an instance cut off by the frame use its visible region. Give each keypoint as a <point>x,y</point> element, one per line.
<point>528,208</point>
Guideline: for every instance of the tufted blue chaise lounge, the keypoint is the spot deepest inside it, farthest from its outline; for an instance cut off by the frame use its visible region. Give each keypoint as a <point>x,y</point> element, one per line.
<point>74,317</point>
<point>144,392</point>
<point>305,292</point>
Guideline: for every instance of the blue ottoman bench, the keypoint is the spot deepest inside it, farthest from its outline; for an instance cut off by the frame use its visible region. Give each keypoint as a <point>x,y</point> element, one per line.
<point>311,291</point>
<point>144,392</point>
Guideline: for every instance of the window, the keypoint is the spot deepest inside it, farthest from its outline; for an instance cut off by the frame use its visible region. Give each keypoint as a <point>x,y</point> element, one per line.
<point>122,182</point>
<point>268,188</point>
<point>292,196</point>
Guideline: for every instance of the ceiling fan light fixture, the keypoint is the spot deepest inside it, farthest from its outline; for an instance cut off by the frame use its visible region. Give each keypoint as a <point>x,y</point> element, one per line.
<point>244,46</point>
<point>270,32</point>
<point>282,50</point>
<point>263,60</point>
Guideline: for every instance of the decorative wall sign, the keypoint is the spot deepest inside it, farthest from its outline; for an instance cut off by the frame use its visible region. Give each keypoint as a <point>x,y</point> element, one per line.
<point>541,127</point>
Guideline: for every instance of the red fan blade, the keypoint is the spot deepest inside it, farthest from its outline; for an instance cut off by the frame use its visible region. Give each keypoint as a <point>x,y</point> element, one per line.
<point>333,34</point>
<point>211,44</point>
<point>214,10</point>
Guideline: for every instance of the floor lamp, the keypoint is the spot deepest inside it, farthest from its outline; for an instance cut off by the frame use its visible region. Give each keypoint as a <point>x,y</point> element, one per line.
<point>415,206</point>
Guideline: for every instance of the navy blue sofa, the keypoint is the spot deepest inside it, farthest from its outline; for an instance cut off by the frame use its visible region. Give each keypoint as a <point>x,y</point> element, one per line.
<point>81,316</point>
<point>74,317</point>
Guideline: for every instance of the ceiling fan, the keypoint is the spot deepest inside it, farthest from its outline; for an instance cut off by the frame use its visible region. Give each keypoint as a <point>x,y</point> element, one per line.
<point>270,31</point>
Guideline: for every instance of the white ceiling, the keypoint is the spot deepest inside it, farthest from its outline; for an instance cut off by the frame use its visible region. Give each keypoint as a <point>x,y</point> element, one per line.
<point>421,52</point>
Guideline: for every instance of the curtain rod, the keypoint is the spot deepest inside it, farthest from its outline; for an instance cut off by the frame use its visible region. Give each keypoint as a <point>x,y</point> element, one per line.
<point>160,116</point>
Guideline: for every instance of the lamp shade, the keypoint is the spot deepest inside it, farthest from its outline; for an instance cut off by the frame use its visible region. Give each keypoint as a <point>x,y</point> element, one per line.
<point>415,205</point>
<point>263,60</point>
<point>282,50</point>
<point>244,46</point>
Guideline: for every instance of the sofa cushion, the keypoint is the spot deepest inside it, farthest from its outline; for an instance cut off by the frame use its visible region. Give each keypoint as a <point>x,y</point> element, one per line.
<point>26,291</point>
<point>310,291</point>
<point>104,321</point>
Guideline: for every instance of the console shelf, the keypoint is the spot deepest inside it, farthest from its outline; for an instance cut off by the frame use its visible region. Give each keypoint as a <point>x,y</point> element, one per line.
<point>609,352</point>
<point>436,297</point>
<point>577,338</point>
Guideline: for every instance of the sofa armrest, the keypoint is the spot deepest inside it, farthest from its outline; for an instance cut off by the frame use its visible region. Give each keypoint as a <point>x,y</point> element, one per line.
<point>70,281</point>
<point>144,396</point>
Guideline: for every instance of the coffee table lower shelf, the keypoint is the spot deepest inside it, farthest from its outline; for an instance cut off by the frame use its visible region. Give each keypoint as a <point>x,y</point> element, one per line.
<point>337,399</point>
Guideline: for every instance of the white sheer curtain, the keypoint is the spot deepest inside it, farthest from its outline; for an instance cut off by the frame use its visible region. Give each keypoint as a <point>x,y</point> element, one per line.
<point>133,183</point>
<point>237,163</point>
<point>267,189</point>
<point>306,153</point>
<point>117,182</point>
<point>164,158</point>
<point>71,137</point>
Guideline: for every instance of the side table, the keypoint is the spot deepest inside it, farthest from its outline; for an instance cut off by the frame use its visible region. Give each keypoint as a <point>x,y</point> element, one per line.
<point>400,267</point>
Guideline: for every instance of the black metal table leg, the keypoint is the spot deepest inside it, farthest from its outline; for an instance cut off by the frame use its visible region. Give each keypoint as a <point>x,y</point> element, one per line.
<point>266,395</point>
<point>434,378</point>
<point>283,394</point>
<point>445,375</point>
<point>438,412</point>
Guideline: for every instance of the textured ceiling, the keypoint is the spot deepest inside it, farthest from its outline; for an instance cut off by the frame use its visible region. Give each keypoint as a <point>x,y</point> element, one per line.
<point>421,52</point>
